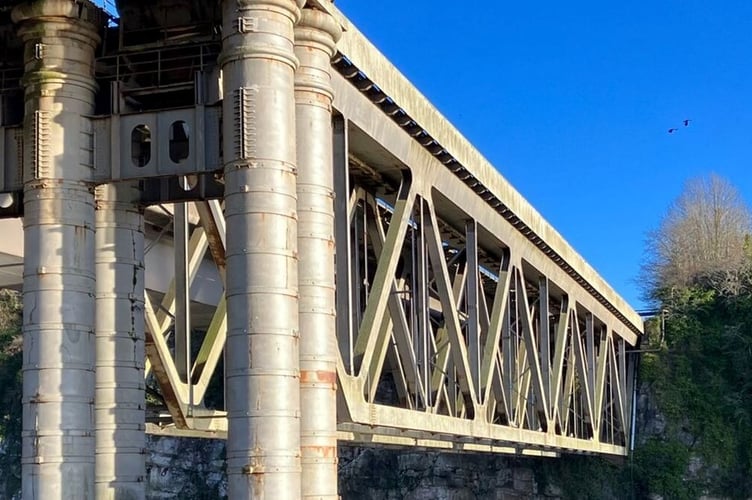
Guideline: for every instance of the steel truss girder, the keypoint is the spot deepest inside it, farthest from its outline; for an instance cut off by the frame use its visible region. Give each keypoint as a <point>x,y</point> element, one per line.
<point>582,381</point>
<point>553,389</point>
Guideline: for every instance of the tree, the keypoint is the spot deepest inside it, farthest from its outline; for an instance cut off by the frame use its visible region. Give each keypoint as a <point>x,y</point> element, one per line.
<point>702,240</point>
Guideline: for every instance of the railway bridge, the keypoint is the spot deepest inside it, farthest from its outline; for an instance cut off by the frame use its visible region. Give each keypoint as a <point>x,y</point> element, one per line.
<point>238,219</point>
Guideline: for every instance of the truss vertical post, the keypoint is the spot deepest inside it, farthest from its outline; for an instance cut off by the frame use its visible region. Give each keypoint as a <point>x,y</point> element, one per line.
<point>262,355</point>
<point>120,403</point>
<point>182,293</point>
<point>544,343</point>
<point>60,38</point>
<point>509,346</point>
<point>315,38</point>
<point>471,299</point>
<point>591,357</point>
<point>343,244</point>
<point>420,301</point>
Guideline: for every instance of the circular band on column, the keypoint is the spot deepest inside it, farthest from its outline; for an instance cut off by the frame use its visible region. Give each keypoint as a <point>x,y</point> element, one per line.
<point>287,7</point>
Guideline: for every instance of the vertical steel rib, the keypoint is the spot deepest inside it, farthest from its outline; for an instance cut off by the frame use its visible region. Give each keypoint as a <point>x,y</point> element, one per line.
<point>343,245</point>
<point>120,403</point>
<point>59,273</point>
<point>315,37</point>
<point>182,293</point>
<point>262,355</point>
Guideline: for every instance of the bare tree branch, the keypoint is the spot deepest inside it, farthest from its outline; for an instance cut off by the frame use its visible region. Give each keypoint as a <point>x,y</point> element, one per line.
<point>703,239</point>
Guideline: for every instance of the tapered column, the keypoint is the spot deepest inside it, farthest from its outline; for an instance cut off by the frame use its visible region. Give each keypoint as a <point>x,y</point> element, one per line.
<point>315,37</point>
<point>58,367</point>
<point>120,402</point>
<point>262,366</point>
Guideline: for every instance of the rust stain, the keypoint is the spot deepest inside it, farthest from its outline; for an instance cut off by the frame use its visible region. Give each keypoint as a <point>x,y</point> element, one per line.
<point>80,234</point>
<point>319,451</point>
<point>257,486</point>
<point>255,471</point>
<point>318,377</point>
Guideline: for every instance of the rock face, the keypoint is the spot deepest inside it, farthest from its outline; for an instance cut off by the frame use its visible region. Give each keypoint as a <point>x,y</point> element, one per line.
<point>194,469</point>
<point>183,468</point>
<point>383,474</point>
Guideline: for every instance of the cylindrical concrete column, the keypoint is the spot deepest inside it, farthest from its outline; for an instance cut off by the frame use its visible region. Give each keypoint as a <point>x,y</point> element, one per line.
<point>58,366</point>
<point>315,37</point>
<point>261,356</point>
<point>120,402</point>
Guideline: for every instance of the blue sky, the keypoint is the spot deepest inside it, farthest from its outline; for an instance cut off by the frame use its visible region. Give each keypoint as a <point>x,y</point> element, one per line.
<point>571,101</point>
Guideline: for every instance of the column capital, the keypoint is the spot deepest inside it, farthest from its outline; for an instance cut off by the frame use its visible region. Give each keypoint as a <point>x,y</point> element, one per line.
<point>60,37</point>
<point>316,36</point>
<point>318,28</point>
<point>259,29</point>
<point>75,14</point>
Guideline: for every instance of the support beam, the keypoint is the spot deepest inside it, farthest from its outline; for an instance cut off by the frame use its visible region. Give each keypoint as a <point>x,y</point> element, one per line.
<point>120,400</point>
<point>60,38</point>
<point>471,301</point>
<point>544,343</point>
<point>182,333</point>
<point>315,38</point>
<point>343,246</point>
<point>262,377</point>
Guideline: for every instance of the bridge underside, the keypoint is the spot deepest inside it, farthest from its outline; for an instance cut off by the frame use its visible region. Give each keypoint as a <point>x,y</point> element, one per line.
<point>464,321</point>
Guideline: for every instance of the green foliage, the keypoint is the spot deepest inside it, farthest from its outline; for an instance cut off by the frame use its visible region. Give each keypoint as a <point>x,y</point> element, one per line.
<point>582,477</point>
<point>698,377</point>
<point>701,379</point>
<point>10,392</point>
<point>661,465</point>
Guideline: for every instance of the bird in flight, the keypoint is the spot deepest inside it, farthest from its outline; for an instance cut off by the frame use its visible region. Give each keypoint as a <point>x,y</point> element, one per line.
<point>672,130</point>
<point>686,122</point>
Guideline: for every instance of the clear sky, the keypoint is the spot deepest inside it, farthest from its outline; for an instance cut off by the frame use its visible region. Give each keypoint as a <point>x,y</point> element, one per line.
<point>572,101</point>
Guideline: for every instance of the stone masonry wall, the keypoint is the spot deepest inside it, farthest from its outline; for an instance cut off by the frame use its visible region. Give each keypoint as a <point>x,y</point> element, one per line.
<point>194,469</point>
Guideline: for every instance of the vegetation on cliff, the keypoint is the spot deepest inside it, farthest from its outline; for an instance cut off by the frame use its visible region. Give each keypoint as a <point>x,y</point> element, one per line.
<point>10,392</point>
<point>694,428</point>
<point>700,375</point>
